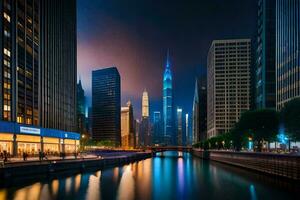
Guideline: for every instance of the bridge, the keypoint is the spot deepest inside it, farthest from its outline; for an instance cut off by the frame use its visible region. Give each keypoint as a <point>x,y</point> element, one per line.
<point>156,149</point>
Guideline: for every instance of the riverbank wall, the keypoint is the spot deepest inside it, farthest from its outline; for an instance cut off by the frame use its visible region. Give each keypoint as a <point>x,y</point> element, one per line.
<point>287,166</point>
<point>46,168</point>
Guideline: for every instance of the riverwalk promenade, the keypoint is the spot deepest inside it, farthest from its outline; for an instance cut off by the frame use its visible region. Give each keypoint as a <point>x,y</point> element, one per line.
<point>17,168</point>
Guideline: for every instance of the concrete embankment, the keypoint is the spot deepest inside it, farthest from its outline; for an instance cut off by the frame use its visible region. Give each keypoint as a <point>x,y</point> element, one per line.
<point>45,168</point>
<point>281,165</point>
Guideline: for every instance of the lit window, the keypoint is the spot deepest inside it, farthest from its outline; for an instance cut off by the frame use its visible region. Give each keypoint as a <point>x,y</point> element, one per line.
<point>20,119</point>
<point>6,16</point>
<point>6,33</point>
<point>6,63</point>
<point>6,85</point>
<point>6,107</point>
<point>6,52</point>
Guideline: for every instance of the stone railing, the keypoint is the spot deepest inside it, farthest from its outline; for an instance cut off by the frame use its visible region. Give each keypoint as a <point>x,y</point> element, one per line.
<point>275,164</point>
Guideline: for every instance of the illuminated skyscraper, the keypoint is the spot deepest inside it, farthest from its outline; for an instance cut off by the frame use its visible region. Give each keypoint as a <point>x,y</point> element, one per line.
<point>168,103</point>
<point>38,73</point>
<point>38,63</point>
<point>145,104</point>
<point>127,126</point>
<point>179,126</point>
<point>145,138</point>
<point>188,136</point>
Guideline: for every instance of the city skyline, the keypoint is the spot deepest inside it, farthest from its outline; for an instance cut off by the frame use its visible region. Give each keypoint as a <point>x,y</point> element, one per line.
<point>124,43</point>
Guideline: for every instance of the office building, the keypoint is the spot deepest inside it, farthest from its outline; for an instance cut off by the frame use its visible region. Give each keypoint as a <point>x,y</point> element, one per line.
<point>265,55</point>
<point>145,138</point>
<point>287,51</point>
<point>137,130</point>
<point>106,105</point>
<point>81,119</point>
<point>179,126</point>
<point>199,110</point>
<point>127,126</point>
<point>38,76</point>
<point>157,128</point>
<point>168,104</point>
<point>228,85</point>
<point>188,135</point>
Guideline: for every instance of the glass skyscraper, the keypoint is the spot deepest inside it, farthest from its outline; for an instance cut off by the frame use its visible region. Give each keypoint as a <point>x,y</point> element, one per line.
<point>168,104</point>
<point>265,55</point>
<point>287,51</point>
<point>38,72</point>
<point>106,105</point>
<point>38,63</point>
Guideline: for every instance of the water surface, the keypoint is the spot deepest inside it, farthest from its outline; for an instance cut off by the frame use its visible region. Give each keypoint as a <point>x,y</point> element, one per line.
<point>172,175</point>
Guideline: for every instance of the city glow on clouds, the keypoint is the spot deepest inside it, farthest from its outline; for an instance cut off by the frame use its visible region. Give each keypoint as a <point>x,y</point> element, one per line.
<point>117,46</point>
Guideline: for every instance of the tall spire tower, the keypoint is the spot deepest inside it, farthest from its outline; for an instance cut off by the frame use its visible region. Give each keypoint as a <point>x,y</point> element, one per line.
<point>145,104</point>
<point>168,102</point>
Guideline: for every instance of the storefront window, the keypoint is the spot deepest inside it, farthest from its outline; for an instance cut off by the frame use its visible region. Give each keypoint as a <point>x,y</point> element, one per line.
<point>70,148</point>
<point>28,144</point>
<point>6,143</point>
<point>30,148</point>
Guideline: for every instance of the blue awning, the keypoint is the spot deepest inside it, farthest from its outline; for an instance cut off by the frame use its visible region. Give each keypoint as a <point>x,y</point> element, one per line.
<point>11,127</point>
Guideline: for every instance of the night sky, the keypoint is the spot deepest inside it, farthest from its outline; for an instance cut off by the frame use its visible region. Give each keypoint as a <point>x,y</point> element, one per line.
<point>134,36</point>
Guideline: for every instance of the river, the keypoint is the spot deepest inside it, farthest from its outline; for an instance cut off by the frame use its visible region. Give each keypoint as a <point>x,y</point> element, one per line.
<point>173,175</point>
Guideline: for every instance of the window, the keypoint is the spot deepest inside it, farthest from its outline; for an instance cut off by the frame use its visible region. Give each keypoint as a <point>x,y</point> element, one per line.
<point>6,52</point>
<point>6,16</point>
<point>6,33</point>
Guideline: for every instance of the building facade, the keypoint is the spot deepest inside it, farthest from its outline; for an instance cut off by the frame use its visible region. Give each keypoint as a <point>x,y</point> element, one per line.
<point>81,119</point>
<point>265,55</point>
<point>196,114</point>
<point>37,68</point>
<point>179,127</point>
<point>228,85</point>
<point>168,104</point>
<point>157,128</point>
<point>106,105</point>
<point>287,51</point>
<point>145,137</point>
<point>127,127</point>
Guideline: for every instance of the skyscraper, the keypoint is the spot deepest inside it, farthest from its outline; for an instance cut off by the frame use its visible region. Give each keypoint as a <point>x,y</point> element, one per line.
<point>179,126</point>
<point>287,51</point>
<point>81,119</point>
<point>168,103</point>
<point>106,105</point>
<point>58,64</point>
<point>145,104</point>
<point>127,126</point>
<point>145,138</point>
<point>38,73</point>
<point>196,114</point>
<point>157,128</point>
<point>188,136</point>
<point>228,85</point>
<point>200,110</point>
<point>265,55</point>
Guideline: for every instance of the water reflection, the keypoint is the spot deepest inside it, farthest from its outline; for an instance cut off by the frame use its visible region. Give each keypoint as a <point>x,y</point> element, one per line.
<point>170,176</point>
<point>93,191</point>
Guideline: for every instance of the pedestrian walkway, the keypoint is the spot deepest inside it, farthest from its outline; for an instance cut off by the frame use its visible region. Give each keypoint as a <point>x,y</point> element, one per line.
<point>30,160</point>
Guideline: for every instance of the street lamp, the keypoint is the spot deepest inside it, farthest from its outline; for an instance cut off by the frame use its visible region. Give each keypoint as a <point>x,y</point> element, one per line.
<point>250,143</point>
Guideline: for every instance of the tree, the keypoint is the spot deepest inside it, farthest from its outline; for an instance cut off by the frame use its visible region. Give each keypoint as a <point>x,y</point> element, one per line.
<point>290,117</point>
<point>259,125</point>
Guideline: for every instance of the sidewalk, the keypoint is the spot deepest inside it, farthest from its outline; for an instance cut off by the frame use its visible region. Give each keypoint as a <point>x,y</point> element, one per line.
<point>19,161</point>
